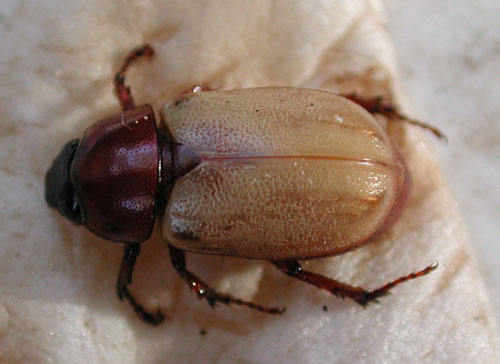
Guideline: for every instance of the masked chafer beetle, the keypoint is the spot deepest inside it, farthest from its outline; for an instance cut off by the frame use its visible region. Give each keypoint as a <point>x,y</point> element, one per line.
<point>274,173</point>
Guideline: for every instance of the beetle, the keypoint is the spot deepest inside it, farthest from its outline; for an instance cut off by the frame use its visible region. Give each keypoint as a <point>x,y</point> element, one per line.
<point>278,174</point>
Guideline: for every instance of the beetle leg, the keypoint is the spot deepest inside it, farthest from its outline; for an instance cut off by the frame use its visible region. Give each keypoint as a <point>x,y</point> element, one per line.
<point>130,255</point>
<point>360,295</point>
<point>124,94</point>
<point>376,105</point>
<point>202,290</point>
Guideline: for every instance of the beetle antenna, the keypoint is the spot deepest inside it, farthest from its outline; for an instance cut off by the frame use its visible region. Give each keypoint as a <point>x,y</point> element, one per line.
<point>123,91</point>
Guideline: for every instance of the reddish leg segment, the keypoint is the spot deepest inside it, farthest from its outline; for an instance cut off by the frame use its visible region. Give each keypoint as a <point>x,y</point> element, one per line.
<point>124,95</point>
<point>360,295</point>
<point>202,290</point>
<point>376,105</point>
<point>130,255</point>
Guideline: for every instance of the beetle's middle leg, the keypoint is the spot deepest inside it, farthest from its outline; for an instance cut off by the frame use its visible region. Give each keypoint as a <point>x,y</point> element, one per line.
<point>202,290</point>
<point>130,255</point>
<point>377,105</point>
<point>358,294</point>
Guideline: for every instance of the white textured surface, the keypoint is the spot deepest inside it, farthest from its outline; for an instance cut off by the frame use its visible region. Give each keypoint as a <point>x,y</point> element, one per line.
<point>57,300</point>
<point>449,56</point>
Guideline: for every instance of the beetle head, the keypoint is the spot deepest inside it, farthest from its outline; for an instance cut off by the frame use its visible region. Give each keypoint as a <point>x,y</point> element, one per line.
<point>108,179</point>
<point>59,191</point>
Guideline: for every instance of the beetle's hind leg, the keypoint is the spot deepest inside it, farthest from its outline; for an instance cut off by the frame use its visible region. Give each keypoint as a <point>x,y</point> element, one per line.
<point>130,255</point>
<point>377,105</point>
<point>202,290</point>
<point>123,92</point>
<point>360,295</point>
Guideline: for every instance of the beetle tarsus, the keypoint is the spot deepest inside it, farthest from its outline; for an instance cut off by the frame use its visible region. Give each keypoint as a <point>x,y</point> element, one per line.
<point>361,296</point>
<point>371,296</point>
<point>368,297</point>
<point>123,91</point>
<point>377,105</point>
<point>154,319</point>
<point>203,291</point>
<point>130,254</point>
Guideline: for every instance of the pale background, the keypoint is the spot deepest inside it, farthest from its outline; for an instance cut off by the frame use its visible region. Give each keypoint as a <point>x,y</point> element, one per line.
<point>449,62</point>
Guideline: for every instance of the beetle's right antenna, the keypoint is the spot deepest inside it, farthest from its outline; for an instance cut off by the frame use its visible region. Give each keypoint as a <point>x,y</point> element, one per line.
<point>124,95</point>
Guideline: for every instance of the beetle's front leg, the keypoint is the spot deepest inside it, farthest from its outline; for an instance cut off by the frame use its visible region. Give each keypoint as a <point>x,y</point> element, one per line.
<point>123,91</point>
<point>360,295</point>
<point>377,105</point>
<point>130,255</point>
<point>202,290</point>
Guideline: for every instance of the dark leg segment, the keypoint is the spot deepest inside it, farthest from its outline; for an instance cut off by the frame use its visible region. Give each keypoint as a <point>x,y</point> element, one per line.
<point>125,278</point>
<point>202,290</point>
<point>376,105</point>
<point>360,295</point>
<point>124,95</point>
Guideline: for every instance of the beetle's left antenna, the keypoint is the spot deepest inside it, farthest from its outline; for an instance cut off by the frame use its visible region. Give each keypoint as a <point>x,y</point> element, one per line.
<point>124,94</point>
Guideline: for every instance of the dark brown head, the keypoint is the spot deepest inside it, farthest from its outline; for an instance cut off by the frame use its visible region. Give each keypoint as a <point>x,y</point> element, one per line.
<point>108,179</point>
